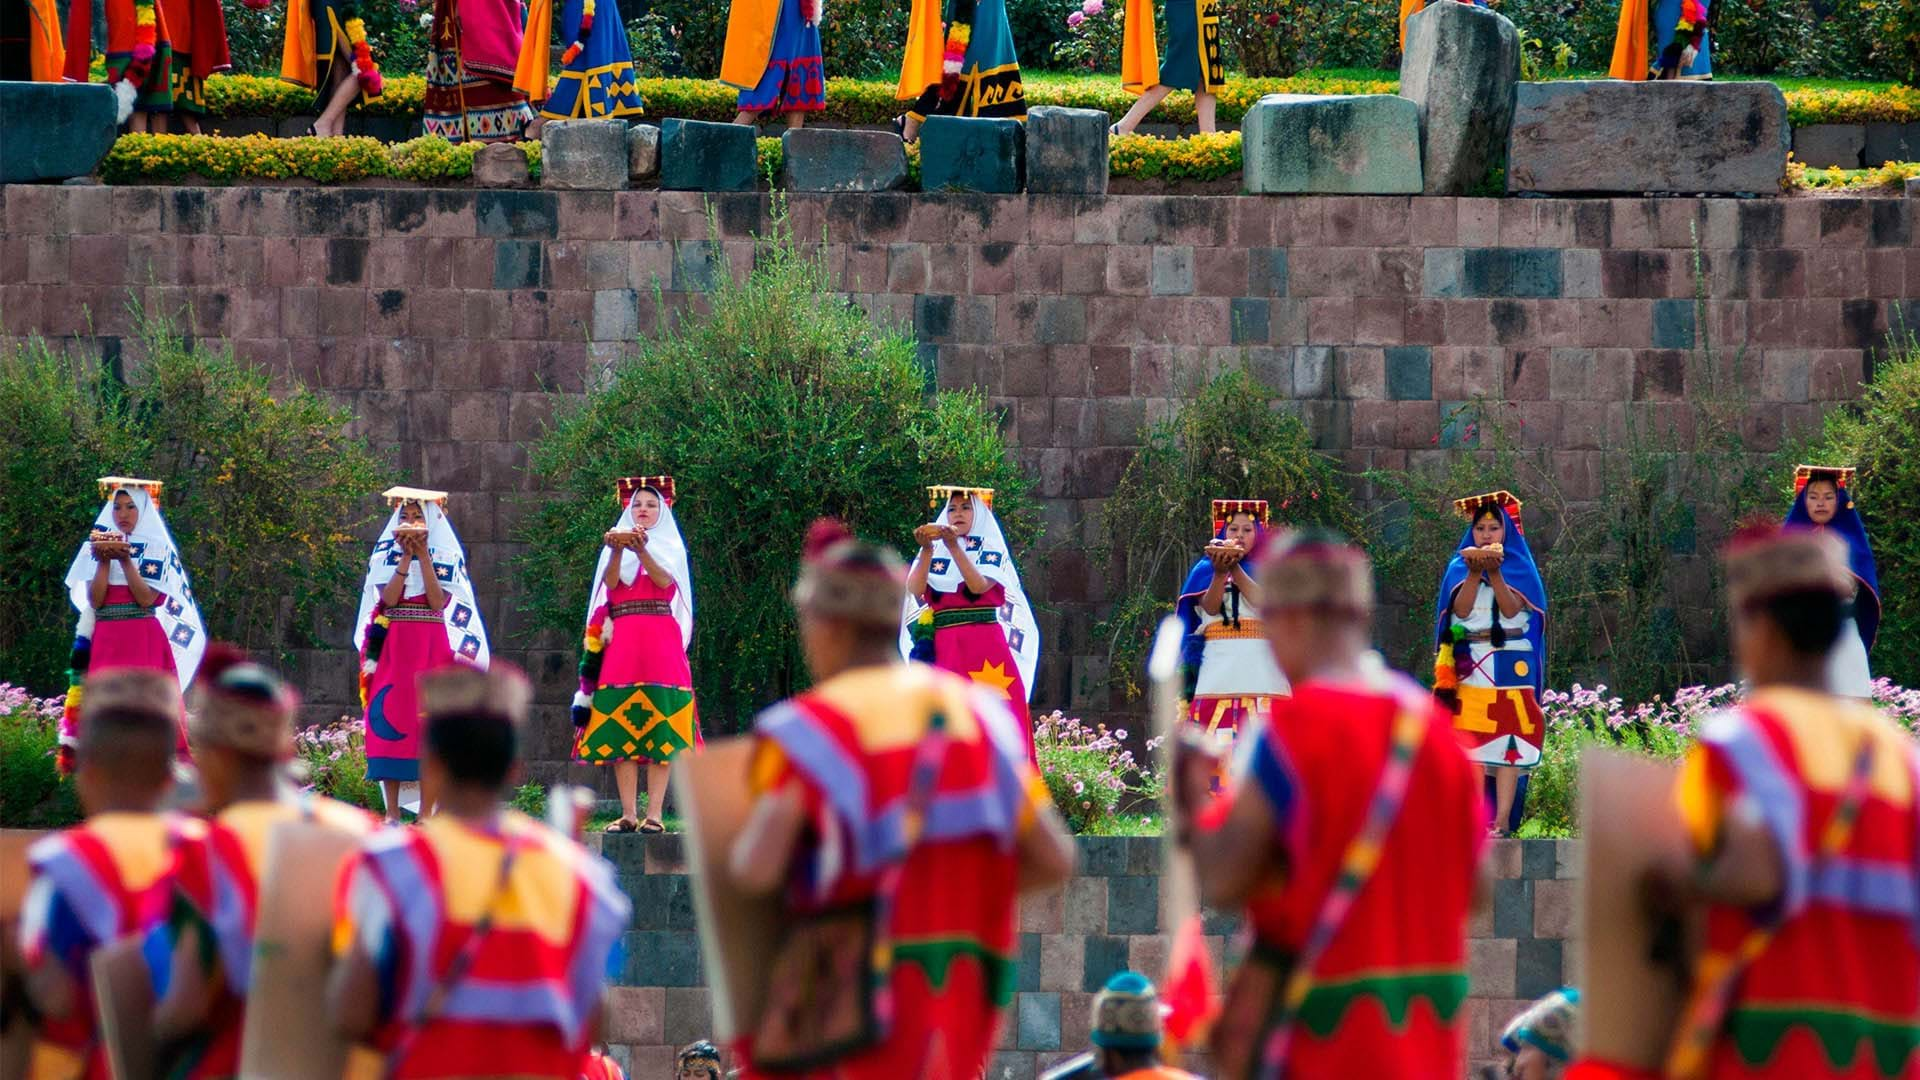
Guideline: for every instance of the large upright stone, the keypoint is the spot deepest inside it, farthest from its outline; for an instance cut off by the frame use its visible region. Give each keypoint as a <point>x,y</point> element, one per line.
<point>836,159</point>
<point>499,165</point>
<point>970,154</point>
<point>1460,67</point>
<point>1067,150</point>
<point>52,131</point>
<point>698,155</point>
<point>1340,144</point>
<point>1628,138</point>
<point>643,152</point>
<point>584,155</point>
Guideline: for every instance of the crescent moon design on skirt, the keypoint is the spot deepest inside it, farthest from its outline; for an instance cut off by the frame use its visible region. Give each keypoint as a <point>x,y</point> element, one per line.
<point>377,721</point>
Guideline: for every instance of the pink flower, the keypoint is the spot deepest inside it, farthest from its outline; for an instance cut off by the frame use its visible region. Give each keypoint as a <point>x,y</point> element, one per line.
<point>1273,19</point>
<point>1093,7</point>
<point>1075,19</point>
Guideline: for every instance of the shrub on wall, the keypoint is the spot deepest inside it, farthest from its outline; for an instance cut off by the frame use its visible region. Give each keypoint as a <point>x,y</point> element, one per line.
<point>779,403</point>
<point>144,159</point>
<point>1229,442</point>
<point>264,488</point>
<point>1878,435</point>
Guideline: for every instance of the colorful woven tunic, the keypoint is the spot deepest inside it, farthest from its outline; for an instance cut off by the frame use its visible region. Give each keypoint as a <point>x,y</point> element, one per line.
<point>1387,992</point>
<point>964,67</point>
<point>217,872</point>
<point>104,879</point>
<point>1836,993</point>
<point>199,31</point>
<point>773,56</point>
<point>848,747</point>
<point>410,901</point>
<point>471,62</point>
<point>597,79</point>
<point>643,707</point>
<point>126,21</point>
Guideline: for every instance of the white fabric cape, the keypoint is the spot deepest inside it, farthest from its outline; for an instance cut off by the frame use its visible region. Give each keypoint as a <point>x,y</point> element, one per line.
<point>987,547</point>
<point>668,549</point>
<point>158,561</point>
<point>466,633</point>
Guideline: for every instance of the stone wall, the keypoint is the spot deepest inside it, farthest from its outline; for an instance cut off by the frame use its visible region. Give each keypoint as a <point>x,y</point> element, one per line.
<point>446,317</point>
<point>1104,920</point>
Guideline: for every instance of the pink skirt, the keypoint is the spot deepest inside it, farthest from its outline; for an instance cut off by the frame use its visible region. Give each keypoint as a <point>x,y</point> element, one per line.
<point>643,709</point>
<point>416,643</point>
<point>128,635</point>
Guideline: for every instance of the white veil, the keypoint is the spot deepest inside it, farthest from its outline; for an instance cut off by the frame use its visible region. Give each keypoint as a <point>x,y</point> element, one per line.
<point>987,547</point>
<point>466,632</point>
<point>668,548</point>
<point>158,562</point>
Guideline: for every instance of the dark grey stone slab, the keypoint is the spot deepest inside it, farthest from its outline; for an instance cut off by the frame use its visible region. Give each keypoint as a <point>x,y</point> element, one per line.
<point>829,159</point>
<point>53,131</point>
<point>1607,137</point>
<point>1460,67</point>
<point>698,155</point>
<point>1067,150</point>
<point>1133,904</point>
<point>970,154</point>
<point>1828,146</point>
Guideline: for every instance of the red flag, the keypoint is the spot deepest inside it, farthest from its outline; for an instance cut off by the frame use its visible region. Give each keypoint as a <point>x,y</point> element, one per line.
<point>1188,993</point>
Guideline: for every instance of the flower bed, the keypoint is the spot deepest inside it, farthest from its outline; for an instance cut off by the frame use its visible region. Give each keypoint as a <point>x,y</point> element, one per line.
<point>1893,174</point>
<point>1092,776</point>
<point>32,795</point>
<point>137,159</point>
<point>872,101</point>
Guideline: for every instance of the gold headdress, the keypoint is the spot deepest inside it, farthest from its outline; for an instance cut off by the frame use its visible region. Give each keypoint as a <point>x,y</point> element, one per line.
<point>1225,509</point>
<point>624,487</point>
<point>1840,475</point>
<point>397,495</point>
<point>938,494</point>
<point>1504,499</point>
<point>110,484</point>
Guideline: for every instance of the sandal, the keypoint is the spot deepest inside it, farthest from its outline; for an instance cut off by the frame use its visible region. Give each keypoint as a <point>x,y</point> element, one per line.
<point>622,825</point>
<point>650,827</point>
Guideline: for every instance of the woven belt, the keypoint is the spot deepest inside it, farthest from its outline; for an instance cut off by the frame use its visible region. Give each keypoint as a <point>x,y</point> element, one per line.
<point>413,613</point>
<point>968,616</point>
<point>120,612</point>
<point>640,607</point>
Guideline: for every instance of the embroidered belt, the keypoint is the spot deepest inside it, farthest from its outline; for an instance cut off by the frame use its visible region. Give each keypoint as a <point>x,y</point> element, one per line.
<point>964,617</point>
<point>121,612</point>
<point>413,613</point>
<point>640,607</point>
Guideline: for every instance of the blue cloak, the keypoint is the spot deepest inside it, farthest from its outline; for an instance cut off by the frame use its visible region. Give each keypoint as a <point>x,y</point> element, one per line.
<point>1848,525</point>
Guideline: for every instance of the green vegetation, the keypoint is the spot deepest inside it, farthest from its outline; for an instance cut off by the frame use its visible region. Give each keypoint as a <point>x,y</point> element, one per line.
<point>778,402</point>
<point>144,159</point>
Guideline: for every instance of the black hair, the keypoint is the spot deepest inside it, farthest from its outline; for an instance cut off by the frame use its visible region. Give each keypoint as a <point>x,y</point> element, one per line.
<point>1486,510</point>
<point>132,744</point>
<point>1809,618</point>
<point>478,748</point>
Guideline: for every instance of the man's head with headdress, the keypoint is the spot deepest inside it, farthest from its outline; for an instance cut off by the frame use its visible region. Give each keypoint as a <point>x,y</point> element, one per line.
<point>1541,1038</point>
<point>129,725</point>
<point>1788,589</point>
<point>473,724</point>
<point>241,720</point>
<point>700,1061</point>
<point>1317,599</point>
<point>849,596</point>
<point>1128,1023</point>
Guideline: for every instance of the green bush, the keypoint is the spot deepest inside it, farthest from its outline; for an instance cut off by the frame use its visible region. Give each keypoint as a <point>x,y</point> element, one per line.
<point>780,403</point>
<point>1228,442</point>
<point>1878,435</point>
<point>32,795</point>
<point>57,433</point>
<point>333,758</point>
<point>144,159</point>
<point>263,488</point>
<point>1268,37</point>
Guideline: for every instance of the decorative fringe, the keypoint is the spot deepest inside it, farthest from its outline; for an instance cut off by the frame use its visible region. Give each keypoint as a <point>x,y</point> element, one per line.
<point>593,654</point>
<point>1445,676</point>
<point>959,34</point>
<point>77,664</point>
<point>376,644</point>
<point>582,709</point>
<point>573,50</point>
<point>363,66</point>
<point>145,42</point>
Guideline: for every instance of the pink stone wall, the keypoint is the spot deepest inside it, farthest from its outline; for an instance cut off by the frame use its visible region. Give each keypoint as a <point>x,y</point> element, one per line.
<point>445,317</point>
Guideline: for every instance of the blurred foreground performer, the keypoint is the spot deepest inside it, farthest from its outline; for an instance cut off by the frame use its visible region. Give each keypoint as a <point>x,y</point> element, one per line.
<point>897,809</point>
<point>242,733</point>
<point>108,877</point>
<point>699,1061</point>
<point>1539,1041</point>
<point>476,944</point>
<point>1359,959</point>
<point>1800,808</point>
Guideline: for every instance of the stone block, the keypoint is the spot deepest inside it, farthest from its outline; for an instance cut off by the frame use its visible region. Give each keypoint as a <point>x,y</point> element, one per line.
<point>1528,273</point>
<point>969,154</point>
<point>1827,146</point>
<point>1568,138</point>
<point>1409,373</point>
<point>1538,969</point>
<point>829,159</point>
<point>52,131</point>
<point>584,155</point>
<point>1038,1021</point>
<point>499,165</point>
<point>643,152</point>
<point>1913,187</point>
<point>1513,908</point>
<point>1133,904</point>
<point>1102,856</point>
<point>1104,957</point>
<point>1067,150</point>
<point>1460,67</point>
<point>1673,324</point>
<point>1333,144</point>
<point>698,155</point>
<point>1888,141</point>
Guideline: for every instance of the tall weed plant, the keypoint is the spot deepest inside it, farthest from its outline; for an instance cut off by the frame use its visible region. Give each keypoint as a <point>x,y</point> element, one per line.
<point>780,402</point>
<point>264,488</point>
<point>1229,442</point>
